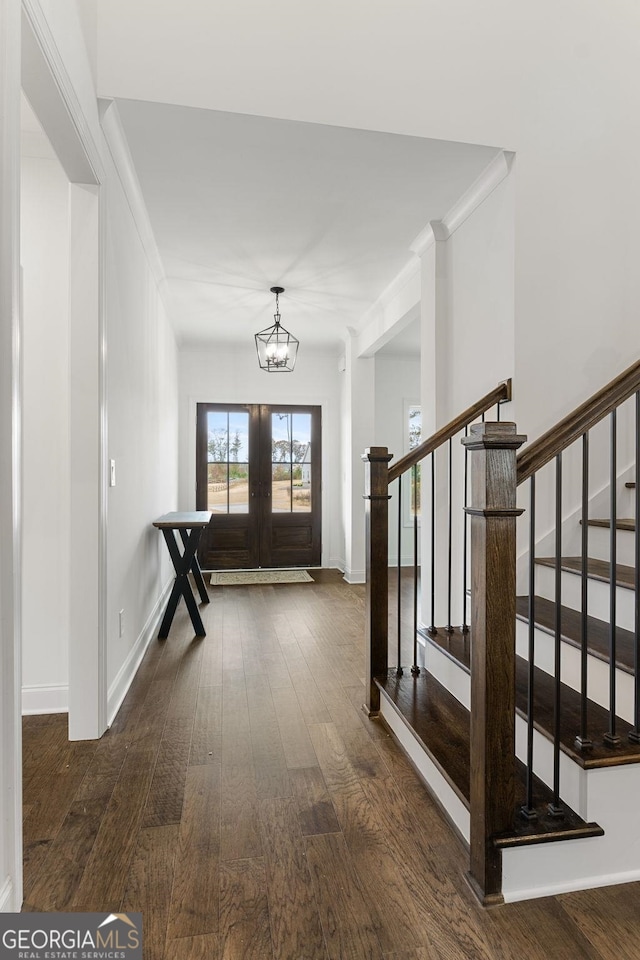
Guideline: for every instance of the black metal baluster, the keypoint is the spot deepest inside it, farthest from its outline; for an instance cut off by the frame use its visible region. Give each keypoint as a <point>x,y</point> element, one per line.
<point>634,735</point>
<point>498,411</point>
<point>555,808</point>
<point>415,669</point>
<point>528,810</point>
<point>399,665</point>
<point>465,534</point>
<point>582,739</point>
<point>449,627</point>
<point>433,629</point>
<point>611,738</point>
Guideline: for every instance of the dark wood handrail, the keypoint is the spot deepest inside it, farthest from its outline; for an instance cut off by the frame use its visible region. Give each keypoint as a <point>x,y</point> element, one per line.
<point>563,434</point>
<point>499,394</point>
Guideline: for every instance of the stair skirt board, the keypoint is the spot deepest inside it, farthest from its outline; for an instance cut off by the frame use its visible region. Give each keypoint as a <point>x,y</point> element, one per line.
<point>548,869</point>
<point>598,599</point>
<point>451,804</point>
<point>598,670</point>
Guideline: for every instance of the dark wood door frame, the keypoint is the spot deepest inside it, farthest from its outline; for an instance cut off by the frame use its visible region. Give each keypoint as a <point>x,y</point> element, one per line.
<point>260,537</point>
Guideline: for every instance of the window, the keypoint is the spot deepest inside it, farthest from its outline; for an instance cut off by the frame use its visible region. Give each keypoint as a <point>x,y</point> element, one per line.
<point>413,438</point>
<point>291,462</point>
<point>228,461</point>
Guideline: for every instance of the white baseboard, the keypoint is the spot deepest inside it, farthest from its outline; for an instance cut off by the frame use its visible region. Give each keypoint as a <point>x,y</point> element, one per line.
<point>335,564</point>
<point>355,576</point>
<point>45,698</point>
<point>120,686</point>
<point>6,897</point>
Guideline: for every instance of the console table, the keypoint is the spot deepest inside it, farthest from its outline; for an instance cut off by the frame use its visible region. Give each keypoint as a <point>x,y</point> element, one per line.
<point>190,527</point>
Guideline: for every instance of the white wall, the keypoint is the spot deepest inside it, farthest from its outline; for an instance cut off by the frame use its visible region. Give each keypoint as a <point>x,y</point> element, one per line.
<point>478,300</point>
<point>397,384</point>
<point>10,457</point>
<point>232,376</point>
<point>556,82</point>
<point>142,400</point>
<point>468,344</point>
<point>46,465</point>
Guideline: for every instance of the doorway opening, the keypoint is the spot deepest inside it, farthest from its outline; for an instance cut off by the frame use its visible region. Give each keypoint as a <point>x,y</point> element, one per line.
<point>258,470</point>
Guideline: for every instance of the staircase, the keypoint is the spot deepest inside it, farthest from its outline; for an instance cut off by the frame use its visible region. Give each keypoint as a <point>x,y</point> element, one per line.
<point>555,751</point>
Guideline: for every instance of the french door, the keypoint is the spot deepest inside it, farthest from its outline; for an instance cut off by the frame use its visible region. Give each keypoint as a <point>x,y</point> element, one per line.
<point>258,470</point>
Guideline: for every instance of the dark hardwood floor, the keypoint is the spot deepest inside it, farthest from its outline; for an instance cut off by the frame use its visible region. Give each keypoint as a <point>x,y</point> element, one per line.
<point>243,803</point>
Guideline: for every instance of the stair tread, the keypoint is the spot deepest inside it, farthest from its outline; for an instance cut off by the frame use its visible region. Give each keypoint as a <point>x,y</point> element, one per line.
<point>622,523</point>
<point>571,625</point>
<point>599,755</point>
<point>442,726</point>
<point>596,569</point>
<point>456,645</point>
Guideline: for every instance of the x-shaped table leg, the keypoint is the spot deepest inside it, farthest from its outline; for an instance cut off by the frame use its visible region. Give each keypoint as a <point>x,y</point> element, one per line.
<point>195,567</point>
<point>182,588</point>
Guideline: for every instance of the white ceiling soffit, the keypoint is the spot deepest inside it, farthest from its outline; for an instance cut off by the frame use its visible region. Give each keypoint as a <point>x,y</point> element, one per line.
<point>241,203</point>
<point>406,344</point>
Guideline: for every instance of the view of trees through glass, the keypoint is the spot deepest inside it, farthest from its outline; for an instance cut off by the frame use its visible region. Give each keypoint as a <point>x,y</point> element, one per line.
<point>228,462</point>
<point>291,462</point>
<point>415,439</point>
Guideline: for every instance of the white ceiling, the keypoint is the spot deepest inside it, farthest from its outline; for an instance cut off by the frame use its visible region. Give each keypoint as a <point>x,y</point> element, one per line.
<point>239,204</point>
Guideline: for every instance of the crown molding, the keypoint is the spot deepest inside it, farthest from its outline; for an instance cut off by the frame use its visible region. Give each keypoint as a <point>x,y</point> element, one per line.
<point>480,189</point>
<point>41,33</point>
<point>493,175</point>
<point>425,239</point>
<point>116,141</point>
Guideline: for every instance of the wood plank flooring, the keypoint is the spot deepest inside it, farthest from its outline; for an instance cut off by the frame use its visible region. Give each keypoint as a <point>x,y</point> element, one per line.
<point>247,807</point>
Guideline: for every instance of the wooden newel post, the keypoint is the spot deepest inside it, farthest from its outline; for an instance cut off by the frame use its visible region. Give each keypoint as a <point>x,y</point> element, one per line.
<point>493,515</point>
<point>376,498</point>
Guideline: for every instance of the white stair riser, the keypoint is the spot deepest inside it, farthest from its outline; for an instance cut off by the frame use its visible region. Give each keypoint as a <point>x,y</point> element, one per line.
<point>600,540</point>
<point>449,673</point>
<point>571,774</point>
<point>598,596</point>
<point>597,670</point>
<point>552,868</point>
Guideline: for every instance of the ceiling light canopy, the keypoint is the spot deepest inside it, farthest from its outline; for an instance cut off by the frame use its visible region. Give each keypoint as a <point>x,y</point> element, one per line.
<point>277,348</point>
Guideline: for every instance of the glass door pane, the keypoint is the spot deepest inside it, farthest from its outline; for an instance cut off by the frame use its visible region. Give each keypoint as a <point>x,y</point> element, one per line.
<point>228,461</point>
<point>291,462</point>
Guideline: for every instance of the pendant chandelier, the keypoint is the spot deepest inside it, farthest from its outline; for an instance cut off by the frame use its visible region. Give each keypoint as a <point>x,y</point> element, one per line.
<point>277,348</point>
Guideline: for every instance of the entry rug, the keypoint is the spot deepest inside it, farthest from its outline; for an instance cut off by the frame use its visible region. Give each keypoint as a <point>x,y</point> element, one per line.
<point>245,577</point>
